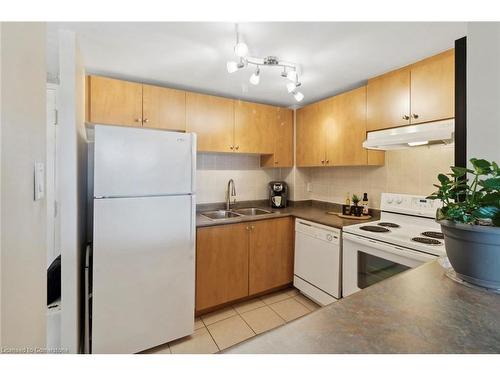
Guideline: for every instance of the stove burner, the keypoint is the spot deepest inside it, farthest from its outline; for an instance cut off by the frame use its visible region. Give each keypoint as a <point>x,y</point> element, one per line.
<point>373,228</point>
<point>427,241</point>
<point>389,225</point>
<point>437,235</point>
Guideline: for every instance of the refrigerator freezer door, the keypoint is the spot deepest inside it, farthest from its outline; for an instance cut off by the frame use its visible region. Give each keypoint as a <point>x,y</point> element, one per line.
<point>131,162</point>
<point>143,272</point>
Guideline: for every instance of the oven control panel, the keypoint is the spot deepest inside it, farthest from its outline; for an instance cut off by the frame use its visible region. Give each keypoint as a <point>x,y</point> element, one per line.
<point>409,204</point>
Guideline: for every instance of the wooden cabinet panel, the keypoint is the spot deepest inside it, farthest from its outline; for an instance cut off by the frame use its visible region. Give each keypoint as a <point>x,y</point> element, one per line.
<point>164,108</point>
<point>282,135</point>
<point>114,102</point>
<point>221,264</point>
<point>271,254</point>
<point>212,119</point>
<point>253,127</point>
<point>312,124</point>
<point>388,100</point>
<point>433,88</point>
<point>348,129</point>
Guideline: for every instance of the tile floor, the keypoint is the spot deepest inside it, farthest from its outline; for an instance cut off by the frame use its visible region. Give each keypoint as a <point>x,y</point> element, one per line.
<point>231,325</point>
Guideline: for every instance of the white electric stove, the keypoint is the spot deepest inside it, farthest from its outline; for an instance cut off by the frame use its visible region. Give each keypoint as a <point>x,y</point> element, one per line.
<point>405,237</point>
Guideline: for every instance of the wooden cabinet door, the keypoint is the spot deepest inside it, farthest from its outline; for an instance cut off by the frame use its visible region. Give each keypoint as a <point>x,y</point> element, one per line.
<point>271,254</point>
<point>221,264</point>
<point>433,88</point>
<point>312,124</point>
<point>348,129</point>
<point>114,102</point>
<point>282,135</point>
<point>388,100</point>
<point>212,119</point>
<point>253,127</point>
<point>164,108</point>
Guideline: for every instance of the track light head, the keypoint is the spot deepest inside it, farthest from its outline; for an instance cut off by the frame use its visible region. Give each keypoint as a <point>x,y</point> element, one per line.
<point>255,78</point>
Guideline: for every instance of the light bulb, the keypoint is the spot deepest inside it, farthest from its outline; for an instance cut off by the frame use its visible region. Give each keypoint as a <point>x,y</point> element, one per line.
<point>290,86</point>
<point>255,78</point>
<point>232,66</point>
<point>298,96</point>
<point>241,49</point>
<point>292,75</point>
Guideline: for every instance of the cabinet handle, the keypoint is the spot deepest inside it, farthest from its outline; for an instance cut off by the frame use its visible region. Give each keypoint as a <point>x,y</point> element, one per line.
<point>237,147</point>
<point>252,227</point>
<point>415,116</point>
<point>231,147</point>
<point>247,228</point>
<point>146,120</point>
<point>138,119</point>
<point>322,162</point>
<point>328,161</point>
<point>406,117</point>
<point>276,162</point>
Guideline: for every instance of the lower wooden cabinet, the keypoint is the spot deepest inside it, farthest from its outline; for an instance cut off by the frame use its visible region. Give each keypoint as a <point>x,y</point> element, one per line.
<point>270,254</point>
<point>234,261</point>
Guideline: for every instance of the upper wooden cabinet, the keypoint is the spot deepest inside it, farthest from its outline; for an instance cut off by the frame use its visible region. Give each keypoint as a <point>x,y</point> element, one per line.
<point>422,92</point>
<point>388,100</point>
<point>114,102</point>
<point>282,137</point>
<point>163,108</point>
<point>433,88</point>
<point>212,119</point>
<point>331,132</point>
<point>253,127</point>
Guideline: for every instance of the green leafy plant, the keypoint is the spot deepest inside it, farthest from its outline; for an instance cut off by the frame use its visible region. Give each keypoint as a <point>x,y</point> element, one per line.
<point>355,199</point>
<point>474,200</point>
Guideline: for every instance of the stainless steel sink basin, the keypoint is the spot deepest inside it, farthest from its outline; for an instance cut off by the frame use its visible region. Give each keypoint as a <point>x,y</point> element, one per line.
<point>253,211</point>
<point>220,214</point>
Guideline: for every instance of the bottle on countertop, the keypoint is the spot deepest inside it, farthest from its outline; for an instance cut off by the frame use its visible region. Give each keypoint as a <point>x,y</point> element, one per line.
<point>364,203</point>
<point>347,207</point>
<point>348,199</point>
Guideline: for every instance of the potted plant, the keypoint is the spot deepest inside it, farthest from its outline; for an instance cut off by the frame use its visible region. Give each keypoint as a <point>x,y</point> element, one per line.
<point>357,210</point>
<point>470,221</point>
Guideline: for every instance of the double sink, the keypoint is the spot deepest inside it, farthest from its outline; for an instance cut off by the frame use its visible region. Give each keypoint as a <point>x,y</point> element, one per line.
<point>232,214</point>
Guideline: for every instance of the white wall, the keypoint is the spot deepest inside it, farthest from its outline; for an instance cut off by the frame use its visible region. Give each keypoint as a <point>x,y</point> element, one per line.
<point>72,163</point>
<point>483,90</point>
<point>23,236</point>
<point>215,170</point>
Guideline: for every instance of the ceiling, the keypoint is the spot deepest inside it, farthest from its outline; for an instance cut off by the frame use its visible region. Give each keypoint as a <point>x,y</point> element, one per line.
<point>333,56</point>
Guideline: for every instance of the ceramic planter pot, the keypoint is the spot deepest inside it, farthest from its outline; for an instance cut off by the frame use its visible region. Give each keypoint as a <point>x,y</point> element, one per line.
<point>474,252</point>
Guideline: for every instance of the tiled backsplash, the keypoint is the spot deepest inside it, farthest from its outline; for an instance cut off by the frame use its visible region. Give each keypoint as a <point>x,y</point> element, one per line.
<point>410,171</point>
<point>215,170</point>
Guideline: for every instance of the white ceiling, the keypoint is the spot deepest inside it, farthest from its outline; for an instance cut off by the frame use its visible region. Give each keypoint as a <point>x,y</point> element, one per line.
<point>333,56</point>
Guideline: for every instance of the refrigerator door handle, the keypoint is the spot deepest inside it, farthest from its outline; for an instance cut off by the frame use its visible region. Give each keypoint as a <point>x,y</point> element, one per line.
<point>193,160</point>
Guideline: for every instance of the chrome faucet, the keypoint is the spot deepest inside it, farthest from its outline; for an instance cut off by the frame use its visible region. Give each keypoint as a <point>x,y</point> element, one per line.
<point>231,192</point>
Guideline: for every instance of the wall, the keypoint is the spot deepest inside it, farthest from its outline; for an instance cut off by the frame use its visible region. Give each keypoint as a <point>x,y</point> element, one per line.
<point>71,172</point>
<point>410,171</point>
<point>483,90</point>
<point>23,235</point>
<point>215,170</point>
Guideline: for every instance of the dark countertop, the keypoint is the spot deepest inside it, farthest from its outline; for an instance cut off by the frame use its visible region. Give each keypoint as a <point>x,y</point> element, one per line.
<point>308,210</point>
<point>418,311</point>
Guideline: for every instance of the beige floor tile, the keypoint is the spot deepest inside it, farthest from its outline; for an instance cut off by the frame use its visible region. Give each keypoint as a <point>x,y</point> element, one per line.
<point>275,297</point>
<point>229,332</point>
<point>262,319</point>
<point>292,292</point>
<point>162,349</point>
<point>311,305</point>
<point>248,305</point>
<point>290,309</point>
<point>200,342</point>
<point>218,315</point>
<point>198,323</point>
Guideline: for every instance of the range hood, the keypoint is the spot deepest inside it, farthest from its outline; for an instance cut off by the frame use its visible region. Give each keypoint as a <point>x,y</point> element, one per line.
<point>410,136</point>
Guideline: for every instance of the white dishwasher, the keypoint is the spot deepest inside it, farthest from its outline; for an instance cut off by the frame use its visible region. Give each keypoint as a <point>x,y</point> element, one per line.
<point>317,261</point>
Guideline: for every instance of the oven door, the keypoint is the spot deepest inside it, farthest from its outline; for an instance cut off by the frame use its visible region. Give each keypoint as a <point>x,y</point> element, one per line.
<point>366,262</point>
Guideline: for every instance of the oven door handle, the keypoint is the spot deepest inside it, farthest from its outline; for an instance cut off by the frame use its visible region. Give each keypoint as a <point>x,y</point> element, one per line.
<point>393,249</point>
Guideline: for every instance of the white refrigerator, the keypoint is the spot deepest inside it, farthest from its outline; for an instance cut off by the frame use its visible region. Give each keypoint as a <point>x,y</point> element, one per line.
<point>143,269</point>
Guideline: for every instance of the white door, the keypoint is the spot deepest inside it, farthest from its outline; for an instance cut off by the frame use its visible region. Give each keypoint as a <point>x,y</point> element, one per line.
<point>143,272</point>
<point>143,162</point>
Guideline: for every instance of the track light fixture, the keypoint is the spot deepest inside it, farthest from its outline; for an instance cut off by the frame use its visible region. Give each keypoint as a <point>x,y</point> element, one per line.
<point>290,70</point>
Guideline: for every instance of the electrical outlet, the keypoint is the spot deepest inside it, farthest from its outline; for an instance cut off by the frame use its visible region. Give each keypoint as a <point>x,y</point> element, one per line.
<point>309,187</point>
<point>39,187</point>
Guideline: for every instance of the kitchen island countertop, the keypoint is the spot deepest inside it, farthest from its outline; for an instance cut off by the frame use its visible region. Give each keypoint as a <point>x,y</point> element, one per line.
<point>418,311</point>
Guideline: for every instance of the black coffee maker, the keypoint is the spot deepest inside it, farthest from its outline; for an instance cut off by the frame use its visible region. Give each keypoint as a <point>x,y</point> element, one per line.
<point>278,194</point>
